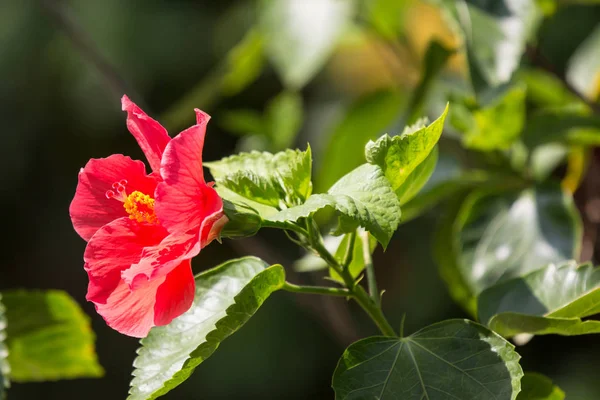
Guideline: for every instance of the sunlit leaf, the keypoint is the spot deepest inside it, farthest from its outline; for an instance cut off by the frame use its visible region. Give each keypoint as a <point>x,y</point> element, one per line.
<point>454,359</point>
<point>273,180</point>
<point>363,195</point>
<point>398,156</point>
<point>550,300</point>
<point>499,124</point>
<point>365,120</point>
<point>226,298</point>
<point>300,35</point>
<point>583,71</point>
<point>48,337</point>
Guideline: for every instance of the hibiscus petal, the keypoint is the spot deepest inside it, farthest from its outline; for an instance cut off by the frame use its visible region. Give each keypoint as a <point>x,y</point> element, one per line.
<point>113,249</point>
<point>183,199</point>
<point>90,208</point>
<point>161,259</point>
<point>135,312</point>
<point>149,133</point>
<point>175,295</point>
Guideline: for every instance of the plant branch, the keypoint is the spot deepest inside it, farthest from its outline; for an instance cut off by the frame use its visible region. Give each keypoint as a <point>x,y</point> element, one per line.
<point>68,24</point>
<point>371,279</point>
<point>328,291</point>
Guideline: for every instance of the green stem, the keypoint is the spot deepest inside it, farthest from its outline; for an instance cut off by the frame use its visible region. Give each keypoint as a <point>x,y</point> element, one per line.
<point>371,279</point>
<point>330,291</point>
<point>357,292</point>
<point>349,251</point>
<point>374,311</point>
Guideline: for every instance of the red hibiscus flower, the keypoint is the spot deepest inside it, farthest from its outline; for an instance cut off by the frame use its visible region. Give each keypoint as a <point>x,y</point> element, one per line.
<point>143,229</point>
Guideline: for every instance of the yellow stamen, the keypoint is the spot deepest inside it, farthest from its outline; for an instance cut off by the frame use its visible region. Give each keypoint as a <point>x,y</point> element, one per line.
<point>140,207</point>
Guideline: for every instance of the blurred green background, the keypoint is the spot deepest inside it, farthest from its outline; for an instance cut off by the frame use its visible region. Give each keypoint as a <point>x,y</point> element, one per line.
<point>64,66</point>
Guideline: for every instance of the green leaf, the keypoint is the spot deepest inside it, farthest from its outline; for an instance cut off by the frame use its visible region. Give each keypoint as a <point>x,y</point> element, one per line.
<point>48,337</point>
<point>300,35</point>
<point>364,196</point>
<point>498,125</point>
<point>446,256</point>
<point>569,125</point>
<point>418,178</point>
<point>499,236</point>
<point>398,156</point>
<point>365,120</point>
<point>4,365</point>
<point>435,58</point>
<point>545,89</point>
<point>583,71</point>
<point>454,359</point>
<point>243,122</point>
<point>536,386</point>
<point>244,63</point>
<point>284,116</point>
<point>496,33</point>
<point>357,265</point>
<point>387,16</point>
<point>275,180</point>
<point>549,300</point>
<point>226,297</point>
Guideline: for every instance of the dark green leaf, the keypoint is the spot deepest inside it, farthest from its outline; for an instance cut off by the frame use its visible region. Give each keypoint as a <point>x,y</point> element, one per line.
<point>226,297</point>
<point>496,33</point>
<point>398,156</point>
<point>549,300</point>
<point>364,196</point>
<point>536,386</point>
<point>569,125</point>
<point>365,120</point>
<point>505,235</point>
<point>269,179</point>
<point>546,90</point>
<point>499,124</point>
<point>435,59</point>
<point>301,34</point>
<point>48,337</point>
<point>454,359</point>
<point>243,122</point>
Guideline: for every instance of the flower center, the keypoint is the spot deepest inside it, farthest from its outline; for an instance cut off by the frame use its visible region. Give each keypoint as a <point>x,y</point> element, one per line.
<point>138,205</point>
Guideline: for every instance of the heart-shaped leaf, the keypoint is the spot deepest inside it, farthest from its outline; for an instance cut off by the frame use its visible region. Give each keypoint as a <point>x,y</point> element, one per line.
<point>454,359</point>
<point>226,297</point>
<point>550,300</point>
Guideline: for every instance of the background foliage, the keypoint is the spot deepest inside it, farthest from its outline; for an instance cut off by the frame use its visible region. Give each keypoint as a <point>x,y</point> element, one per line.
<point>371,67</point>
